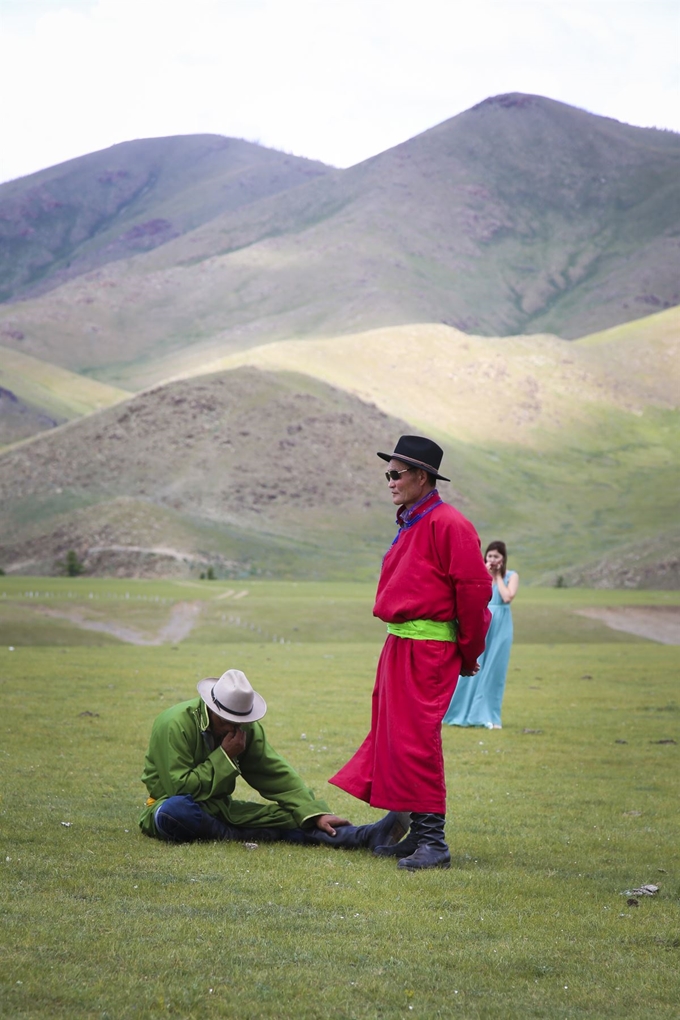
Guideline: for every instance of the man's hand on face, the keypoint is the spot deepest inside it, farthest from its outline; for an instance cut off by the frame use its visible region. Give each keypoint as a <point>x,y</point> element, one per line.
<point>470,672</point>
<point>329,823</point>
<point>234,741</point>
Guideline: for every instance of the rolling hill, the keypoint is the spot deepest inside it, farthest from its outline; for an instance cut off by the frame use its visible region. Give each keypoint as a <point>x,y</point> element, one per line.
<point>527,390</point>
<point>521,215</point>
<point>571,450</point>
<point>264,464</point>
<point>252,472</point>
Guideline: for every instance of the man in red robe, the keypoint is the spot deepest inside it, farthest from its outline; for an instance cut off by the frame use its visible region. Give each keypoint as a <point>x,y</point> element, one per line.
<point>432,594</point>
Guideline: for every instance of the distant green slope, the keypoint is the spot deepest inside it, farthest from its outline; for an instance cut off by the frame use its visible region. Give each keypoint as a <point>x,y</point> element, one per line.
<point>45,394</point>
<point>522,215</point>
<point>660,328</point>
<point>532,391</point>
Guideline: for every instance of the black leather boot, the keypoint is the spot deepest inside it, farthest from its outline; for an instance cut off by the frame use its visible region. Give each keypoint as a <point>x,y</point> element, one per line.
<point>431,851</point>
<point>386,832</point>
<point>402,849</point>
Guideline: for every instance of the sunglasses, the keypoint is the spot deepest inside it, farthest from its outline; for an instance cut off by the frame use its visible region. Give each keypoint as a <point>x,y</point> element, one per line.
<point>393,476</point>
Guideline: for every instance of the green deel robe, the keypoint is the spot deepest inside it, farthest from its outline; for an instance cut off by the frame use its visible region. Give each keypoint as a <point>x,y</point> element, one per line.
<point>183,759</point>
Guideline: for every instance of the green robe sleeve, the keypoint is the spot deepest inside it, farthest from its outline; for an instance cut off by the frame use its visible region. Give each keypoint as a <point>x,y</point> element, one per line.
<point>275,779</point>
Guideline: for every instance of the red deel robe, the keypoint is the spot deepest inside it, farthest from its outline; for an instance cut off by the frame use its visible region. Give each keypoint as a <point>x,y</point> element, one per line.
<point>433,571</point>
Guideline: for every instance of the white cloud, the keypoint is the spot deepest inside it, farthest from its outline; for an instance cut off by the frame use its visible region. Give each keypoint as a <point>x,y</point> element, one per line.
<point>337,80</point>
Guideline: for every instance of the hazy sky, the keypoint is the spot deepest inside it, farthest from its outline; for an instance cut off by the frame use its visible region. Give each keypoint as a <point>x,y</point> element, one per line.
<point>336,80</point>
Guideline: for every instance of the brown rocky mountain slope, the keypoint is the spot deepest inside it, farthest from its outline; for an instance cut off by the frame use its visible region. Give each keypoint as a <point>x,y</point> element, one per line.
<point>239,469</point>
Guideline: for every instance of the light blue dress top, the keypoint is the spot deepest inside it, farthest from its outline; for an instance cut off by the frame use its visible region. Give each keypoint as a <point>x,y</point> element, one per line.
<point>477,699</point>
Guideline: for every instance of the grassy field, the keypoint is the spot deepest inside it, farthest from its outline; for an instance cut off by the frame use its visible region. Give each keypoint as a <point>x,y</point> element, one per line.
<point>551,821</point>
<point>263,612</point>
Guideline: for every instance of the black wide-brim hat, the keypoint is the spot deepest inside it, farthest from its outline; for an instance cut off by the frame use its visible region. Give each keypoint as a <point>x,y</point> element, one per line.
<point>418,452</point>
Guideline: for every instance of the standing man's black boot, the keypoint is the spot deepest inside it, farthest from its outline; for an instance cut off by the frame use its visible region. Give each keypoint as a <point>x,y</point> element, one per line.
<point>432,851</point>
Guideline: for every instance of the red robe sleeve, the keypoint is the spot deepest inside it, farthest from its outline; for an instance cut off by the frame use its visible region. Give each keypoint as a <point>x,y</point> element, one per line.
<point>457,545</point>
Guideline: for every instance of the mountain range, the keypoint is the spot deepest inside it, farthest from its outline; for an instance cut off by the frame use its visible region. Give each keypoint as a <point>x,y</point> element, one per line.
<point>521,215</point>
<point>203,343</point>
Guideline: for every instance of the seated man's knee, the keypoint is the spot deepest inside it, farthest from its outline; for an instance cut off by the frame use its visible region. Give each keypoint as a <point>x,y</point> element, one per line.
<point>178,819</point>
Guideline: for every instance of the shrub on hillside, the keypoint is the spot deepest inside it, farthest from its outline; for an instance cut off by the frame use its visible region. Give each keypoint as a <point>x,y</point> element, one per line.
<point>71,566</point>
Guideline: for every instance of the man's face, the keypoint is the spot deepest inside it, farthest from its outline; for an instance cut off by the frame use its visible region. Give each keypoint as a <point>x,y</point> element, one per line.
<point>410,486</point>
<point>220,728</point>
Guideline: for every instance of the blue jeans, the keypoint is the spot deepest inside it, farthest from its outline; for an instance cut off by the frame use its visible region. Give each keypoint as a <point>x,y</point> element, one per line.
<point>180,819</point>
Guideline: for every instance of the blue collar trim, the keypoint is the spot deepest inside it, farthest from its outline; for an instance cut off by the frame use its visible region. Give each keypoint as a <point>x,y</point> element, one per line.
<point>407,518</point>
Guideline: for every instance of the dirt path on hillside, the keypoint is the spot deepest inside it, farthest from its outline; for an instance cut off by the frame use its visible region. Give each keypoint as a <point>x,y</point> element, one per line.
<point>657,623</point>
<point>183,618</point>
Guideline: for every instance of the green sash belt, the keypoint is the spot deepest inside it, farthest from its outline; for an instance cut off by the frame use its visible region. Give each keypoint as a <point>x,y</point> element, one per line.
<point>424,630</point>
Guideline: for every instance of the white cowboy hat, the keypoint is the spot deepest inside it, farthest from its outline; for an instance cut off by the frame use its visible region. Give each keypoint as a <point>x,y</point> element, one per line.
<point>232,697</point>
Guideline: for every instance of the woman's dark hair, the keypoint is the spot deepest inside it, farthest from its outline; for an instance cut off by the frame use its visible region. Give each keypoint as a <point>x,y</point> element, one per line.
<point>501,548</point>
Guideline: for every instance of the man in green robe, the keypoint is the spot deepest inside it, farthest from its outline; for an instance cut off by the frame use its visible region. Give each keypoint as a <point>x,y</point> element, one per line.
<point>197,751</point>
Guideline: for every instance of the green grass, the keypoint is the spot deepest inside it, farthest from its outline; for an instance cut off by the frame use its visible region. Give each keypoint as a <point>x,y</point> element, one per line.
<point>548,829</point>
<point>271,612</point>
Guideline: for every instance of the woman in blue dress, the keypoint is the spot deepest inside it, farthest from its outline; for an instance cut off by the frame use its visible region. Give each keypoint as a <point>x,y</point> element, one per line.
<point>477,699</point>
